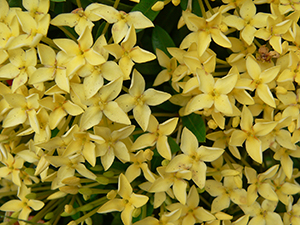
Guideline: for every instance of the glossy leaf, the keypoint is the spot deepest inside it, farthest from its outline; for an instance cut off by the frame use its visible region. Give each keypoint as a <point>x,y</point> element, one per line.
<point>161,40</point>
<point>195,123</point>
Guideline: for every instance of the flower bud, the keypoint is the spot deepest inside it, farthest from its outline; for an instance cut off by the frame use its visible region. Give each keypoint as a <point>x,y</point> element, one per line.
<point>136,212</point>
<point>68,208</point>
<point>102,180</point>
<point>159,5</point>
<point>108,174</point>
<point>212,124</point>
<point>49,216</point>
<point>235,121</point>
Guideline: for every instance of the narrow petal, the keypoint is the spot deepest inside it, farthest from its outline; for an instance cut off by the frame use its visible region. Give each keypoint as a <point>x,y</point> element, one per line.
<point>124,189</point>
<point>253,68</point>
<point>265,94</point>
<point>253,147</point>
<point>199,173</point>
<point>199,102</point>
<point>113,112</point>
<point>142,114</point>
<point>91,117</point>
<point>163,147</point>
<point>179,189</point>
<point>189,142</point>
<point>223,104</point>
<point>112,205</point>
<point>219,203</point>
<point>139,55</point>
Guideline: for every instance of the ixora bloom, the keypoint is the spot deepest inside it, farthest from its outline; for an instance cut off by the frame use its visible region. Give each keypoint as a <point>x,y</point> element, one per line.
<point>79,18</point>
<point>191,212</point>
<point>139,100</point>
<point>122,21</point>
<point>214,93</point>
<point>128,54</point>
<point>193,158</point>
<point>127,203</point>
<point>24,205</point>
<point>157,134</point>
<point>250,133</point>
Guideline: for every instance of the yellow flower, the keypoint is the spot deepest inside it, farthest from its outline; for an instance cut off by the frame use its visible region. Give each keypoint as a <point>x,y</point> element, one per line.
<point>36,8</point>
<point>80,53</point>
<point>67,167</point>
<point>127,54</point>
<point>79,18</point>
<point>24,205</point>
<point>34,30</point>
<point>23,108</point>
<point>260,183</point>
<point>157,135</point>
<point>140,164</point>
<point>113,145</point>
<point>176,179</point>
<point>60,107</point>
<point>191,212</point>
<point>204,31</point>
<point>102,103</point>
<point>261,79</point>
<point>224,193</point>
<point>194,158</point>
<point>12,167</point>
<point>54,68</point>
<point>214,93</point>
<point>168,218</point>
<point>83,143</point>
<point>127,203</point>
<point>139,100</point>
<point>122,21</point>
<point>250,133</point>
<point>263,214</point>
<point>22,65</point>
<point>168,64</point>
<point>248,21</point>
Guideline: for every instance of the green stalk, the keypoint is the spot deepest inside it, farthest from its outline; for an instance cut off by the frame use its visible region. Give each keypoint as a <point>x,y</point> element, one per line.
<point>78,3</point>
<point>81,219</point>
<point>202,9</point>
<point>209,7</point>
<point>67,33</point>
<point>45,210</point>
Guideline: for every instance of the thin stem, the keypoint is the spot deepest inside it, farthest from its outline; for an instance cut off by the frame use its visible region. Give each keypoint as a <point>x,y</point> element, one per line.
<point>202,9</point>
<point>81,219</point>
<point>78,3</point>
<point>221,61</point>
<point>209,7</point>
<point>44,211</point>
<point>165,114</point>
<point>50,42</point>
<point>204,200</point>
<point>256,42</point>
<point>67,33</point>
<point>226,157</point>
<point>116,4</point>
<point>245,162</point>
<point>219,73</point>
<point>62,130</point>
<point>105,28</point>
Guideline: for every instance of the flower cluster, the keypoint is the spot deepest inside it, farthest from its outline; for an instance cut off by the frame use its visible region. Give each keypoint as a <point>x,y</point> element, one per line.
<point>99,124</point>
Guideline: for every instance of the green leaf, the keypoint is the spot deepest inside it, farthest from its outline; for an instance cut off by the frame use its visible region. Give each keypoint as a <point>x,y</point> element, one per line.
<point>173,145</point>
<point>195,123</point>
<point>145,7</point>
<point>161,40</point>
<point>15,3</point>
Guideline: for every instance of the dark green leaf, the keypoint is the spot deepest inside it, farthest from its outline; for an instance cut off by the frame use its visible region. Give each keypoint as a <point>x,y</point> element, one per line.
<point>15,3</point>
<point>161,39</point>
<point>173,145</point>
<point>195,123</point>
<point>145,7</point>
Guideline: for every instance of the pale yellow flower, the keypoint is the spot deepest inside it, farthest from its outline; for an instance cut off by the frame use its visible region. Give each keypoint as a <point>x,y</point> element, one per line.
<point>194,158</point>
<point>24,205</point>
<point>12,167</point>
<point>127,203</point>
<point>158,134</point>
<point>139,100</point>
<point>128,54</point>
<point>122,21</point>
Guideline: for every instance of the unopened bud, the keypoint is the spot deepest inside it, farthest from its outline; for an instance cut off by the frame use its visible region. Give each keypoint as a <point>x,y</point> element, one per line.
<point>73,181</point>
<point>108,174</point>
<point>85,191</point>
<point>30,171</point>
<point>72,223</point>
<point>223,27</point>
<point>165,162</point>
<point>88,221</point>
<point>102,180</point>
<point>235,121</point>
<point>136,212</point>
<point>68,208</point>
<point>31,196</point>
<point>212,124</point>
<point>158,6</point>
<point>97,168</point>
<point>111,195</point>
<point>49,216</point>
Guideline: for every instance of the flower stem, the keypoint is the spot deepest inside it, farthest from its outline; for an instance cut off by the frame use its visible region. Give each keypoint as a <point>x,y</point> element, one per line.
<point>81,219</point>
<point>116,4</point>
<point>67,33</point>
<point>209,7</point>
<point>45,210</point>
<point>221,61</point>
<point>78,3</point>
<point>202,9</point>
<point>49,42</point>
